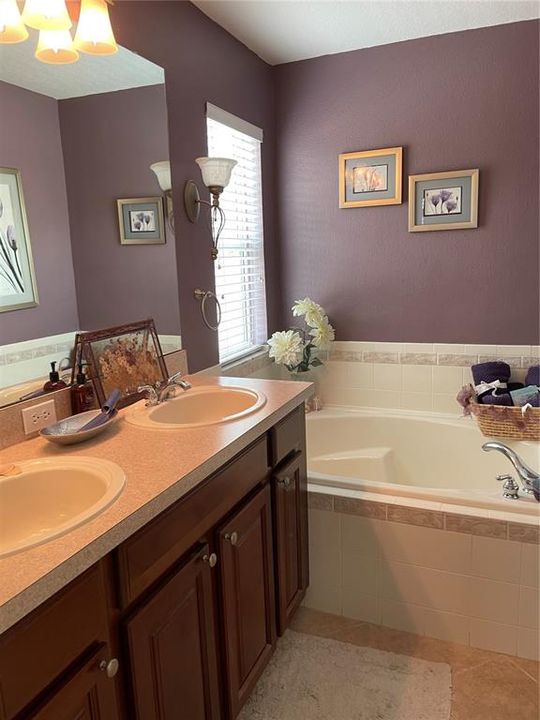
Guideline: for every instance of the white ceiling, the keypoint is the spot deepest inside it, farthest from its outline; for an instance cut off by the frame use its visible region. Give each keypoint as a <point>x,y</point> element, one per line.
<point>89,75</point>
<point>282,31</point>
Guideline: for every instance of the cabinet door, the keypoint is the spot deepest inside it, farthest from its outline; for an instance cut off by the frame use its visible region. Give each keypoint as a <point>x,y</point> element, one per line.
<point>291,539</point>
<point>248,603</point>
<point>172,647</point>
<point>89,694</point>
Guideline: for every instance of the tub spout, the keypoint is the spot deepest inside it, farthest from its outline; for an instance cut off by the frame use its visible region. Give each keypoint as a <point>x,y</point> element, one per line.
<point>530,478</point>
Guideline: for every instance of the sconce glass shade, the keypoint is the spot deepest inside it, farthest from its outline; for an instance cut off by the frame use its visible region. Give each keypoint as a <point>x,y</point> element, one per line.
<point>12,28</point>
<point>94,32</point>
<point>56,47</point>
<point>46,15</point>
<point>216,172</point>
<point>162,171</point>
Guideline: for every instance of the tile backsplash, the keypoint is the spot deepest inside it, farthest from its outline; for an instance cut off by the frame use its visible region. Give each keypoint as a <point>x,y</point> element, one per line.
<point>409,376</point>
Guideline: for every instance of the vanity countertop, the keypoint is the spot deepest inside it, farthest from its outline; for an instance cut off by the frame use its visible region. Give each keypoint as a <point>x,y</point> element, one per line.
<point>161,466</point>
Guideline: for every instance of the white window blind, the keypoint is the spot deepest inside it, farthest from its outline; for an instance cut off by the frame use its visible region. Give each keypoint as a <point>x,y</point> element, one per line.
<point>239,269</point>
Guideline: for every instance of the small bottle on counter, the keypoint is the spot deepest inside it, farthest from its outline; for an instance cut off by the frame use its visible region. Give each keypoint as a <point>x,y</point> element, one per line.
<point>54,382</point>
<point>82,393</point>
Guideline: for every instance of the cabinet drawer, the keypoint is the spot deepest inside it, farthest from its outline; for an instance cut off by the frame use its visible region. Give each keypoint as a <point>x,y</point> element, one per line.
<point>153,550</point>
<point>40,647</point>
<point>287,436</point>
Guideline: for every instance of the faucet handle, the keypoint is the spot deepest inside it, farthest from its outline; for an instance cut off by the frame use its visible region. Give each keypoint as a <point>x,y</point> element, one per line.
<point>150,393</point>
<point>510,487</point>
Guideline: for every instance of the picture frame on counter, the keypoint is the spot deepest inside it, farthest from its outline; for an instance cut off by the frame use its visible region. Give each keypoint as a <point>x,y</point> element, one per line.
<point>370,177</point>
<point>443,201</point>
<point>18,288</point>
<point>141,221</point>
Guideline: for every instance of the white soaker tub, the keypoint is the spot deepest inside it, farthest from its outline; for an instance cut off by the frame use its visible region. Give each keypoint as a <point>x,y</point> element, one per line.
<point>429,456</point>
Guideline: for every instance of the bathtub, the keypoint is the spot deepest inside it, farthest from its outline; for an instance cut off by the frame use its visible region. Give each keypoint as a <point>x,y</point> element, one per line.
<point>427,456</point>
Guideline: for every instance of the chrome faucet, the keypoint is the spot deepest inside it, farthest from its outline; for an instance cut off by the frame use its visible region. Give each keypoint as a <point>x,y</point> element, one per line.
<point>158,393</point>
<point>529,478</point>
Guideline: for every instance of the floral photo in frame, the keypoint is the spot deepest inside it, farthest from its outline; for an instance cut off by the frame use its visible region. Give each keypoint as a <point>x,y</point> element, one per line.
<point>17,278</point>
<point>370,177</point>
<point>141,221</point>
<point>443,201</point>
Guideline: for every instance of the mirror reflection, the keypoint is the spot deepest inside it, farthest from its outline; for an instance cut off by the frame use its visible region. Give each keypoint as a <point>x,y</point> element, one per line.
<point>85,241</point>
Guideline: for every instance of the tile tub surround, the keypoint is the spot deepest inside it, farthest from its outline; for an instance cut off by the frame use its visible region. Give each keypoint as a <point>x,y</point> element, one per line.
<point>410,376</point>
<point>160,466</point>
<point>446,575</point>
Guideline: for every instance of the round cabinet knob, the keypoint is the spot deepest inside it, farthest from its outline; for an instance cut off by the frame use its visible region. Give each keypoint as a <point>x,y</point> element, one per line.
<point>232,538</point>
<point>286,482</point>
<point>109,668</point>
<point>210,559</point>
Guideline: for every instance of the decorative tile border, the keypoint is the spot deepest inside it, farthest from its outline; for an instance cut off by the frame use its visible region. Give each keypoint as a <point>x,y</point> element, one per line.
<point>518,356</point>
<point>454,522</point>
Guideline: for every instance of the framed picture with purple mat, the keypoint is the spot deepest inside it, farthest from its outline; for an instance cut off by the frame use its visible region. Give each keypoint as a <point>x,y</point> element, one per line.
<point>443,201</point>
<point>141,221</point>
<point>370,177</point>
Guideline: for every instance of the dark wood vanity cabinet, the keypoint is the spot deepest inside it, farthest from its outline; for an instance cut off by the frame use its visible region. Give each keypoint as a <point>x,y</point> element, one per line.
<point>86,694</point>
<point>289,485</point>
<point>247,596</point>
<point>172,646</point>
<point>188,607</point>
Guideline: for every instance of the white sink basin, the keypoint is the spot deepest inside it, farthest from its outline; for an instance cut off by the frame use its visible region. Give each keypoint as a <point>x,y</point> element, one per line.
<point>53,495</point>
<point>199,406</point>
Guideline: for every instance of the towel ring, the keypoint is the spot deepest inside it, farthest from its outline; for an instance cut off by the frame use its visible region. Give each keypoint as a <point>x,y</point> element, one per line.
<point>203,296</point>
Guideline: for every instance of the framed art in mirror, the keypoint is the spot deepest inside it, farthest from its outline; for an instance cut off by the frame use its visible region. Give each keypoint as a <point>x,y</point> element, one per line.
<point>122,357</point>
<point>17,278</point>
<point>141,221</point>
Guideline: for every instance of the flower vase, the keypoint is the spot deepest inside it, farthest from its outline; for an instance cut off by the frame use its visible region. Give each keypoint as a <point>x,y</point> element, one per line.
<point>314,403</point>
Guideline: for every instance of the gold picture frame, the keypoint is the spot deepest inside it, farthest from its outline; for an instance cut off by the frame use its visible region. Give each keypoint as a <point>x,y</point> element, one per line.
<point>431,193</point>
<point>18,288</point>
<point>367,184</point>
<point>135,231</point>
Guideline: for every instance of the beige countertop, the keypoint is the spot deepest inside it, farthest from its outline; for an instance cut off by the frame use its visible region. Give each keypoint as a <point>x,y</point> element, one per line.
<point>161,466</point>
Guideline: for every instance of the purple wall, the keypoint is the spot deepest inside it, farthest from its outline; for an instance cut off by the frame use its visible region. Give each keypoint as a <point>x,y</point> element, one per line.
<point>456,101</point>
<point>202,63</point>
<point>109,142</point>
<point>30,141</point>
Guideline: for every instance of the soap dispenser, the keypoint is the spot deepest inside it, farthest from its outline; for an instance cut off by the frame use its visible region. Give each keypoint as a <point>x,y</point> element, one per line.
<point>54,382</point>
<point>82,393</point>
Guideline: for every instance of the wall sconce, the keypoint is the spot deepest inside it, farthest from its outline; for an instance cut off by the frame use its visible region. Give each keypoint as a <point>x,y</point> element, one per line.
<point>216,174</point>
<point>162,171</point>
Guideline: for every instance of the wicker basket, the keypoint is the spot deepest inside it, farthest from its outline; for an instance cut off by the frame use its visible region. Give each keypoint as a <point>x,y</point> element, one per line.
<point>507,422</point>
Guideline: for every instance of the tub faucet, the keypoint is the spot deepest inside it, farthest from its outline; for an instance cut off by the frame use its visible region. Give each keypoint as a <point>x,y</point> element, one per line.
<point>159,392</point>
<point>529,478</point>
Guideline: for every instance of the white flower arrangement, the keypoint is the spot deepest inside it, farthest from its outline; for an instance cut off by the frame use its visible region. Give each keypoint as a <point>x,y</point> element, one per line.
<point>296,348</point>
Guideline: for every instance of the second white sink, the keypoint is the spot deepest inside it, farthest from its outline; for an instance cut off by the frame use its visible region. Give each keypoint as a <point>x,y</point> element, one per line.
<point>199,406</point>
<point>53,495</point>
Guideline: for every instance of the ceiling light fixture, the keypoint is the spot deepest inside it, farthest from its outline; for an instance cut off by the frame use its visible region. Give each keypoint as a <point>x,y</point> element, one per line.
<point>12,28</point>
<point>94,34</point>
<point>216,174</point>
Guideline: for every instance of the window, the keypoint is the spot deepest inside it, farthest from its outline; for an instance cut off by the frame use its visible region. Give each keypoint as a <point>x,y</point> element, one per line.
<point>239,268</point>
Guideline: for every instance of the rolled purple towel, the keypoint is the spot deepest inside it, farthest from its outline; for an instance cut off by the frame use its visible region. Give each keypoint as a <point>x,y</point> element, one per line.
<point>488,399</point>
<point>533,375</point>
<point>515,386</point>
<point>535,401</point>
<point>491,371</point>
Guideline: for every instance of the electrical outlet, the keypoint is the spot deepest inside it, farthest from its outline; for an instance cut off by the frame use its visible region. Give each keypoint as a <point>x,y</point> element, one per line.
<point>38,416</point>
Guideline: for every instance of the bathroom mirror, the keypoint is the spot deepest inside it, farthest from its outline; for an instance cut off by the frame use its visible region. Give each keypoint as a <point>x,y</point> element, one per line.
<point>82,137</point>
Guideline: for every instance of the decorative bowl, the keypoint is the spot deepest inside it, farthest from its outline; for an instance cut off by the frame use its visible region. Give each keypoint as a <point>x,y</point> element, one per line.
<point>66,432</point>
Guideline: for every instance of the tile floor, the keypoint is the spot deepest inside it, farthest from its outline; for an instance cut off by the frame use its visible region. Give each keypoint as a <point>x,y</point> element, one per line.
<point>486,685</point>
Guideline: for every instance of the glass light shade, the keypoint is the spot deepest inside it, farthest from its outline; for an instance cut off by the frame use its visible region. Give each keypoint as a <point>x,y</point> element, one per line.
<point>162,171</point>
<point>94,32</point>
<point>46,15</point>
<point>216,172</point>
<point>12,28</point>
<point>56,47</point>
